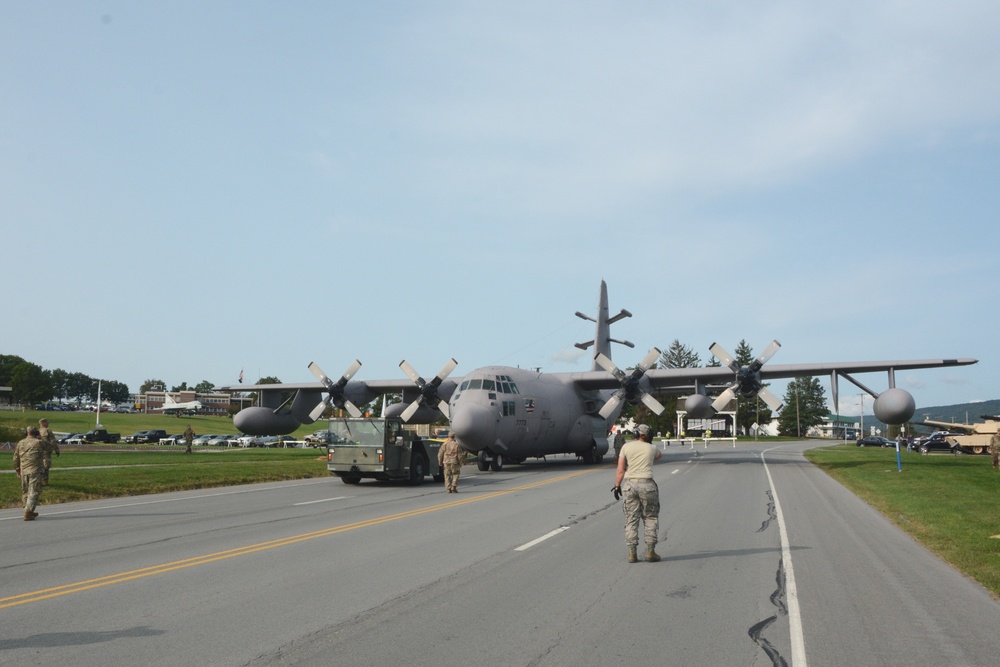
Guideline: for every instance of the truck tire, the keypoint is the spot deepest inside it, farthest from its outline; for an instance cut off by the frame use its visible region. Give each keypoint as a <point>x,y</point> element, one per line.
<point>351,479</point>
<point>418,468</point>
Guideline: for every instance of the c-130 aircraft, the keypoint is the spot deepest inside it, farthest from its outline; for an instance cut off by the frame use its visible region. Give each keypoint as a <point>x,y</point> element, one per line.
<point>504,414</point>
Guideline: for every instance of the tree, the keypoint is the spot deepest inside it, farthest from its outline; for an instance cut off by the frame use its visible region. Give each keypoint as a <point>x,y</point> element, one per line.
<point>8,362</point>
<point>114,391</point>
<point>78,385</point>
<point>805,406</point>
<point>152,385</point>
<point>204,387</point>
<point>30,384</point>
<point>183,386</point>
<point>60,383</point>
<point>679,356</point>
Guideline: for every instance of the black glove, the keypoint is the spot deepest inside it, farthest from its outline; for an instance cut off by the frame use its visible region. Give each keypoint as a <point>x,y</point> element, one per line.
<point>616,491</point>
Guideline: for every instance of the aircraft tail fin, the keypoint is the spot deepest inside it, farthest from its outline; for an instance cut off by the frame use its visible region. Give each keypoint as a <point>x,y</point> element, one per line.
<point>602,335</point>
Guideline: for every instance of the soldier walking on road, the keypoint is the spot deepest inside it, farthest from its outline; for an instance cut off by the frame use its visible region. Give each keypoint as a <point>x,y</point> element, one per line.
<point>188,439</point>
<point>49,445</point>
<point>29,467</point>
<point>642,496</point>
<point>451,456</point>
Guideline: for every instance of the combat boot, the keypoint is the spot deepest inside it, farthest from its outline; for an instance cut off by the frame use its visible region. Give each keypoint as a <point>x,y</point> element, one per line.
<point>632,558</point>
<point>651,555</point>
<point>29,515</point>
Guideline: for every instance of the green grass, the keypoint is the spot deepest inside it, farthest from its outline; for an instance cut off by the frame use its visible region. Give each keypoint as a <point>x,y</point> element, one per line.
<point>951,504</point>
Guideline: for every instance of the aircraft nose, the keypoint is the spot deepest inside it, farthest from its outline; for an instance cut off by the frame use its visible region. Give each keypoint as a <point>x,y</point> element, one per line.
<point>475,426</point>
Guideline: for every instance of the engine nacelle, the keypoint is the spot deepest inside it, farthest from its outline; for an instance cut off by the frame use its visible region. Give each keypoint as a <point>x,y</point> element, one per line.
<point>894,406</point>
<point>263,421</point>
<point>303,404</point>
<point>699,406</point>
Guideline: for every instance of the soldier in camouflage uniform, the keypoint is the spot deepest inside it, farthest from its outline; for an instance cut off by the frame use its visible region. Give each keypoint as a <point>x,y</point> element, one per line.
<point>49,445</point>
<point>642,496</point>
<point>29,467</point>
<point>995,449</point>
<point>451,456</point>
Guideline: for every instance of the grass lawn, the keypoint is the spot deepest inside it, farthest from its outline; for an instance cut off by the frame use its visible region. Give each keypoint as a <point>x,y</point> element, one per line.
<point>949,503</point>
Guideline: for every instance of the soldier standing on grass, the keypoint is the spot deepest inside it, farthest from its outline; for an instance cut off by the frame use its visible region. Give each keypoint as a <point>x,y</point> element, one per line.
<point>995,449</point>
<point>29,467</point>
<point>49,445</point>
<point>188,439</point>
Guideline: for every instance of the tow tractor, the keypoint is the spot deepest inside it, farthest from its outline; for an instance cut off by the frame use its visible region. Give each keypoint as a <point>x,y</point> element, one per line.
<point>377,448</point>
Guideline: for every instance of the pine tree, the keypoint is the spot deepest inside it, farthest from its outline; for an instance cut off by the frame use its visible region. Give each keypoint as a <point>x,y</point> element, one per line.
<point>805,406</point>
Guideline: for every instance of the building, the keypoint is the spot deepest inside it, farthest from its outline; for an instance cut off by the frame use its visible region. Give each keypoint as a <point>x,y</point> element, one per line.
<point>837,427</point>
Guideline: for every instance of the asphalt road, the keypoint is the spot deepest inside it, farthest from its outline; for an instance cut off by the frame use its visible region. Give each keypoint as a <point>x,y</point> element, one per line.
<point>766,561</point>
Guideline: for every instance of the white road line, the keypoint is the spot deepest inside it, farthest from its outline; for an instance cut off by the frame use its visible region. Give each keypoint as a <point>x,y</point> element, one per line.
<point>791,591</point>
<point>541,539</point>
<point>324,500</point>
<point>100,508</point>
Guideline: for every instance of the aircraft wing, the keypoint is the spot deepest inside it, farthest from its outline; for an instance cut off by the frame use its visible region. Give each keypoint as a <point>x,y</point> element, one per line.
<point>678,380</point>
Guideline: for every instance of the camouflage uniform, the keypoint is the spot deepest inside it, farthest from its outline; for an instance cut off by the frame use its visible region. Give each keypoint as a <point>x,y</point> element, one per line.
<point>29,467</point>
<point>995,450</point>
<point>49,445</point>
<point>188,439</point>
<point>450,457</point>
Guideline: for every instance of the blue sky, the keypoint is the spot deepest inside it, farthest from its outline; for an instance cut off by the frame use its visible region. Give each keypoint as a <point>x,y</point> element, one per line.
<point>190,189</point>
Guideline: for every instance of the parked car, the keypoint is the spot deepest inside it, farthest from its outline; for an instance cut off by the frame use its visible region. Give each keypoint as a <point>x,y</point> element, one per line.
<point>201,440</point>
<point>152,436</point>
<point>936,442</point>
<point>76,439</point>
<point>173,439</point>
<point>248,440</point>
<point>65,440</point>
<point>218,441</point>
<point>318,438</point>
<point>135,437</point>
<point>876,441</point>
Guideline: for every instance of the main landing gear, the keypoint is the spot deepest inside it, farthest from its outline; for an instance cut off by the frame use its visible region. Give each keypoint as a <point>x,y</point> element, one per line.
<point>484,461</point>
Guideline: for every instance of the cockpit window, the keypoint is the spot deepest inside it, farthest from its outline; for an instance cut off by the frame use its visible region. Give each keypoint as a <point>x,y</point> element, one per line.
<point>489,385</point>
<point>476,384</point>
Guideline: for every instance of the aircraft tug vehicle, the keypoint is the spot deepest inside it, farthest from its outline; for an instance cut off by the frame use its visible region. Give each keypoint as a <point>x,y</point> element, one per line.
<point>380,448</point>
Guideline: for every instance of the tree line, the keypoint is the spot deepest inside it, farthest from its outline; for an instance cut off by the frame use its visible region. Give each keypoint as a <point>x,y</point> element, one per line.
<point>31,384</point>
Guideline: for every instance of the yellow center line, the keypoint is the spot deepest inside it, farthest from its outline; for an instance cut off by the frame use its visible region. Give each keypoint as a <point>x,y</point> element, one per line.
<point>130,575</point>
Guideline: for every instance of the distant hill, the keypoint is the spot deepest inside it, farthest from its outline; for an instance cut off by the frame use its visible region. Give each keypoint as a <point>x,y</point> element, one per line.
<point>962,413</point>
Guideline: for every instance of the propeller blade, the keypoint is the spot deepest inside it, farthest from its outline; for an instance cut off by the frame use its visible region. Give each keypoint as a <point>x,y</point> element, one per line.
<point>410,410</point>
<point>318,372</point>
<point>768,397</point>
<point>723,400</point>
<point>649,359</point>
<point>446,370</point>
<point>723,356</point>
<point>443,407</point>
<point>609,366</point>
<point>768,352</point>
<point>320,408</point>
<point>611,405</point>
<point>351,408</point>
<point>652,404</point>
<point>411,372</point>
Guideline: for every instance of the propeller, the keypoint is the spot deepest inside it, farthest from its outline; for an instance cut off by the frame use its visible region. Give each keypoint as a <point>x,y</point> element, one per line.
<point>335,390</point>
<point>747,381</point>
<point>630,390</point>
<point>428,390</point>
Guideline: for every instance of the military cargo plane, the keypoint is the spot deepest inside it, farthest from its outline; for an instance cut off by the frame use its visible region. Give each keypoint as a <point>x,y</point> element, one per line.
<point>504,414</point>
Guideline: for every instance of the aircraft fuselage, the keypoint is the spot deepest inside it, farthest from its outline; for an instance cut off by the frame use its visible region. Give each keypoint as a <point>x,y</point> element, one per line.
<point>518,414</point>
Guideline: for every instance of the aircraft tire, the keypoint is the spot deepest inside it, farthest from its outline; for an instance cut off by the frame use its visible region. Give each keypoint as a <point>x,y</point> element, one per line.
<point>496,465</point>
<point>482,462</point>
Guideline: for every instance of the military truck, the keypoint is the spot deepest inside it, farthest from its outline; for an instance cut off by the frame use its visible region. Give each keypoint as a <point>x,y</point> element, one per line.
<point>382,449</point>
